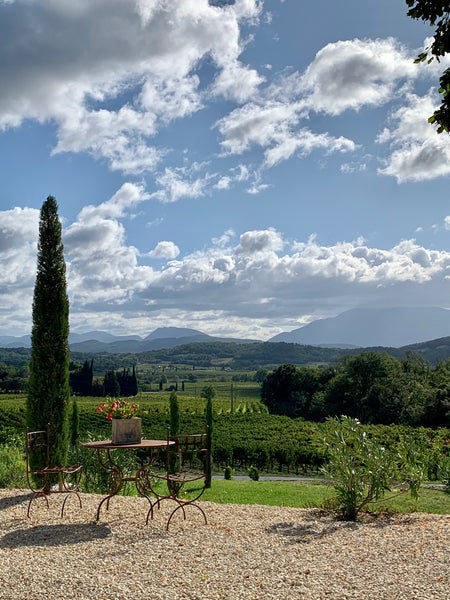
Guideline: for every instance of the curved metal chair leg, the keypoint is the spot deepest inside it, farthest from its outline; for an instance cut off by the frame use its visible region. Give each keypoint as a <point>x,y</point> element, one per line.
<point>182,506</point>
<point>65,500</point>
<point>34,496</point>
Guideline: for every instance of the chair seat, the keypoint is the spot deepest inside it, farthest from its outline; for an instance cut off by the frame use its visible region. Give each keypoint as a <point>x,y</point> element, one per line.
<point>61,479</point>
<point>185,476</point>
<point>67,470</point>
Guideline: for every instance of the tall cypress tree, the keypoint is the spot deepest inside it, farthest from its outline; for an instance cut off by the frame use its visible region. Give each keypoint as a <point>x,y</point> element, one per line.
<point>49,392</point>
<point>208,392</point>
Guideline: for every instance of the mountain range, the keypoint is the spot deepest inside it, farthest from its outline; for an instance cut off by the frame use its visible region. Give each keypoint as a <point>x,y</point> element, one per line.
<point>368,327</point>
<point>361,327</point>
<point>101,341</point>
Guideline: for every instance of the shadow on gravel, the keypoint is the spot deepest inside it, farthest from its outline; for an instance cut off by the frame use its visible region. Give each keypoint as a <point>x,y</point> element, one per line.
<point>318,524</point>
<point>55,535</point>
<point>9,501</point>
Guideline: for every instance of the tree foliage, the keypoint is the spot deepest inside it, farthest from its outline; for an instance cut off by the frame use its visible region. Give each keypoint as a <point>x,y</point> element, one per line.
<point>362,470</point>
<point>81,380</point>
<point>128,382</point>
<point>48,391</point>
<point>437,13</point>
<point>111,385</point>
<point>372,387</point>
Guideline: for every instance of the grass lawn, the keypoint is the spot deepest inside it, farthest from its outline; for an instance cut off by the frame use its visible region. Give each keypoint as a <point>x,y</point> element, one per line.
<point>307,495</point>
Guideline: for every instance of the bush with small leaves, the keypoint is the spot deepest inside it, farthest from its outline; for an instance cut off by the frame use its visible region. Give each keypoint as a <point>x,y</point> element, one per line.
<point>362,470</point>
<point>253,473</point>
<point>13,472</point>
<point>444,473</point>
<point>228,473</point>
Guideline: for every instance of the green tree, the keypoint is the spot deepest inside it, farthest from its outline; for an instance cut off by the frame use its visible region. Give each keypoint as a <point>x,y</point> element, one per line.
<point>111,386</point>
<point>437,13</point>
<point>209,393</point>
<point>128,382</point>
<point>174,428</point>
<point>74,424</point>
<point>81,379</point>
<point>49,392</point>
<point>280,389</point>
<point>260,375</point>
<point>174,410</point>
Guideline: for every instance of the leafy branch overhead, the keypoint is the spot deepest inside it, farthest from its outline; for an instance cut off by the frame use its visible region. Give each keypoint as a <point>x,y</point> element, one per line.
<point>437,13</point>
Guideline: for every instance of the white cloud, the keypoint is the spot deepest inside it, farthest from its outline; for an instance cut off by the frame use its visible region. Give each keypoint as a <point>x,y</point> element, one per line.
<point>126,198</point>
<point>101,267</point>
<point>417,152</point>
<point>165,249</point>
<point>178,183</point>
<point>353,167</point>
<point>253,242</point>
<point>352,73</point>
<point>274,126</point>
<point>255,124</point>
<point>19,230</point>
<point>256,284</point>
<point>109,88</point>
<point>237,83</point>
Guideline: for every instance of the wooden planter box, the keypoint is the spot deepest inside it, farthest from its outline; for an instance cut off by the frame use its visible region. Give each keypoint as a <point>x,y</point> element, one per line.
<point>126,431</point>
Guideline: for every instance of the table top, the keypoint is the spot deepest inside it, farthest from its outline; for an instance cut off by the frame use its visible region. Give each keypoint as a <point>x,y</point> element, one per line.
<point>108,445</point>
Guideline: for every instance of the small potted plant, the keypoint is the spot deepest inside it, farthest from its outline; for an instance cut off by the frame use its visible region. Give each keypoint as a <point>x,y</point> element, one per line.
<point>126,425</point>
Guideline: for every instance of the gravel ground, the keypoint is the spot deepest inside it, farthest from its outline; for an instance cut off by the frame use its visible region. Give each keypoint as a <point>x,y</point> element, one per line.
<point>244,553</point>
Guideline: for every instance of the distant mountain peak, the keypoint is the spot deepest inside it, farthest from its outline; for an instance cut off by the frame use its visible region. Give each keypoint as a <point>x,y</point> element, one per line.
<point>370,327</point>
<point>174,332</point>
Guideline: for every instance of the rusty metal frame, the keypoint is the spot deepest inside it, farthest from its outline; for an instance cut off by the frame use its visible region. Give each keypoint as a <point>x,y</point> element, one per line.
<point>179,447</point>
<point>41,439</point>
<point>143,476</point>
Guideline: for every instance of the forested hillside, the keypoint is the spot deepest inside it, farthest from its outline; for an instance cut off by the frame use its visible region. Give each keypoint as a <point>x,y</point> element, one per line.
<point>232,355</point>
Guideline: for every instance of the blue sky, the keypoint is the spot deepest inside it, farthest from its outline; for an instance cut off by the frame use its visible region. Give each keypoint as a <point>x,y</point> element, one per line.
<point>240,167</point>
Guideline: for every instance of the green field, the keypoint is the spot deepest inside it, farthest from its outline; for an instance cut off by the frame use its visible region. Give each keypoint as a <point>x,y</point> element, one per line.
<point>248,436</point>
<point>307,495</point>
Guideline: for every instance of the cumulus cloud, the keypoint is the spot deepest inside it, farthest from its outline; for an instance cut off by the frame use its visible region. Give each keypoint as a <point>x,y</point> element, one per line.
<point>111,91</point>
<point>101,267</point>
<point>274,126</point>
<point>179,183</point>
<point>417,152</point>
<point>142,59</point>
<point>352,73</point>
<point>165,250</point>
<point>19,230</point>
<point>256,284</point>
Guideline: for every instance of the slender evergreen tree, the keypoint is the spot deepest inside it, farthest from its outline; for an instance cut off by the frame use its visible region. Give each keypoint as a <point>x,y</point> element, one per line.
<point>49,393</point>
<point>174,414</point>
<point>208,392</point>
<point>111,386</point>
<point>174,426</point>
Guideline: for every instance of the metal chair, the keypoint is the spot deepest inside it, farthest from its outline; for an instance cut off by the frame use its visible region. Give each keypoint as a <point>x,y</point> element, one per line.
<point>187,458</point>
<point>41,481</point>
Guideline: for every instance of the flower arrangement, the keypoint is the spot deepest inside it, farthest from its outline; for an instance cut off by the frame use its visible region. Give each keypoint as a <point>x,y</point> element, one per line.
<point>118,409</point>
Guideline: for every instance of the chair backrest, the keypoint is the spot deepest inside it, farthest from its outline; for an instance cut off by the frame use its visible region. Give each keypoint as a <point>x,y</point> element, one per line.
<point>37,441</point>
<point>188,447</point>
<point>196,442</point>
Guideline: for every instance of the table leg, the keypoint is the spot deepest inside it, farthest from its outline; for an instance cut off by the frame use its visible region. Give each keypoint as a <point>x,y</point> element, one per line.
<point>144,485</point>
<point>117,479</point>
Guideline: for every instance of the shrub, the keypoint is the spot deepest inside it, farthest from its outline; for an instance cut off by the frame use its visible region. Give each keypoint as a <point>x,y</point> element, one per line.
<point>253,473</point>
<point>362,470</point>
<point>444,474</point>
<point>13,471</point>
<point>228,473</point>
<point>95,478</point>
